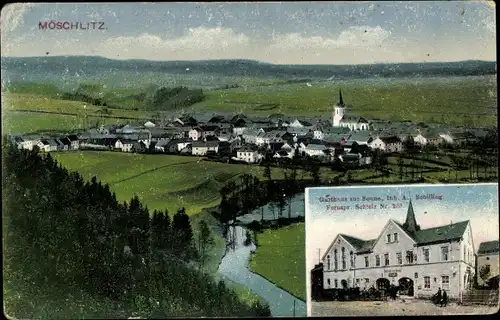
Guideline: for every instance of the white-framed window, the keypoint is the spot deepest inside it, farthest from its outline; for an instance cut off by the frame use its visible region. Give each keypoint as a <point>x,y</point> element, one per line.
<point>343,259</point>
<point>367,280</point>
<point>445,282</point>
<point>367,262</point>
<point>409,256</point>
<point>328,262</point>
<point>399,257</point>
<point>377,260</point>
<point>465,253</point>
<point>427,282</point>
<point>335,260</point>
<point>328,281</point>
<point>357,281</point>
<point>444,253</point>
<point>336,283</point>
<point>395,237</point>
<point>426,254</point>
<point>386,259</point>
<point>389,238</point>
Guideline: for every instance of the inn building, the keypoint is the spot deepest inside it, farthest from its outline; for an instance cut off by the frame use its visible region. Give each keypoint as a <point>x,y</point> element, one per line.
<point>419,261</point>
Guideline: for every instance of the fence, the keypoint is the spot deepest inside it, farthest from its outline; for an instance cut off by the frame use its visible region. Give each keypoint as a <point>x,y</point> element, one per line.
<point>485,297</point>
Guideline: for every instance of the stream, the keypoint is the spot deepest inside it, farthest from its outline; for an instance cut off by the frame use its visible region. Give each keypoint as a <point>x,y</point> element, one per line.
<point>234,266</point>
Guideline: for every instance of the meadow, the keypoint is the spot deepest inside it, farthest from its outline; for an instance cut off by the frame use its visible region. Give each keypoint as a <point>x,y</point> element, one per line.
<point>280,257</point>
<point>162,181</point>
<point>28,113</point>
<point>456,101</point>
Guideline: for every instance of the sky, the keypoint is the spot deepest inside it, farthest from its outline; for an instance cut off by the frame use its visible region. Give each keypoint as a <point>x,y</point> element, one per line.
<point>359,32</point>
<point>477,203</point>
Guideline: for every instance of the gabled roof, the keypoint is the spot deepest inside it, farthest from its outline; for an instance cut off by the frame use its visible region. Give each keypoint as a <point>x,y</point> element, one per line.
<point>208,128</point>
<point>72,137</point>
<point>205,144</point>
<point>353,119</point>
<point>488,247</point>
<point>247,148</point>
<point>389,140</point>
<point>441,234</point>
<point>126,141</point>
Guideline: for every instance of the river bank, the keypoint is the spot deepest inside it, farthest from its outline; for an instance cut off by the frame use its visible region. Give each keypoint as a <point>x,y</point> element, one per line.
<point>234,266</point>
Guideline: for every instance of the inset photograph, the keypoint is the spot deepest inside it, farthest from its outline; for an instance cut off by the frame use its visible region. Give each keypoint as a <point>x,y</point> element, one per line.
<point>402,250</point>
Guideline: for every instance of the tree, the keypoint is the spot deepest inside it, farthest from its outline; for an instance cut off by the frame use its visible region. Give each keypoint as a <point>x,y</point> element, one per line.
<point>182,235</point>
<point>267,172</point>
<point>205,242</point>
<point>314,172</point>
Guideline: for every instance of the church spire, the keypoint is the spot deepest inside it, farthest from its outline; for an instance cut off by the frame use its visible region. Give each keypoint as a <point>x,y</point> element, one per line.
<point>341,102</point>
<point>411,223</point>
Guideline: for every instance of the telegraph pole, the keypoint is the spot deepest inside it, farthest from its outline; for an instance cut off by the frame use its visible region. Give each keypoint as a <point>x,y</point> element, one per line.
<point>319,256</point>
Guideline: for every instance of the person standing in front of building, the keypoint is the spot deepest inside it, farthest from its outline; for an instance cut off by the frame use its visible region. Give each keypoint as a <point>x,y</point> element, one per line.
<point>437,297</point>
<point>444,299</point>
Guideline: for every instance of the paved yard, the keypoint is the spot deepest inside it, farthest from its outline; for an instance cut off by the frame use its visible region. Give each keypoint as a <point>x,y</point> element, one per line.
<point>393,308</point>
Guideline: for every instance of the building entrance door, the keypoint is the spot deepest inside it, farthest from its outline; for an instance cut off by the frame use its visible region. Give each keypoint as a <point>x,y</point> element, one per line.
<point>406,286</point>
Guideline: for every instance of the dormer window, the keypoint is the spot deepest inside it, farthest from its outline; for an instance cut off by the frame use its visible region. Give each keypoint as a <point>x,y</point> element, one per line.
<point>395,237</point>
<point>388,238</point>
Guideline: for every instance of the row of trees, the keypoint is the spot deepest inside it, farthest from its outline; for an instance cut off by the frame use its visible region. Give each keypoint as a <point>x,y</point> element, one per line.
<point>66,234</point>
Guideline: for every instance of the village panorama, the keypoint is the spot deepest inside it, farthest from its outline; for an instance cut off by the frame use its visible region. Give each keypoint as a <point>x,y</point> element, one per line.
<point>343,139</point>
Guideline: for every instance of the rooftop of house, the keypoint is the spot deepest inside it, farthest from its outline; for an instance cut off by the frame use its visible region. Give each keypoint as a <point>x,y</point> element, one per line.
<point>390,140</point>
<point>352,119</point>
<point>488,247</point>
<point>205,144</point>
<point>248,148</point>
<point>162,143</point>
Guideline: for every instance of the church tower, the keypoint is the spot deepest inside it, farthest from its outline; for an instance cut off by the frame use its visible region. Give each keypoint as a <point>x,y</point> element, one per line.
<point>411,222</point>
<point>338,111</point>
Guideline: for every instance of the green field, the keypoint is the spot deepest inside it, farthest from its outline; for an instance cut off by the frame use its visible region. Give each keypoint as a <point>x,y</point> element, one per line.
<point>451,100</point>
<point>25,113</point>
<point>160,181</point>
<point>280,258</point>
<point>464,100</point>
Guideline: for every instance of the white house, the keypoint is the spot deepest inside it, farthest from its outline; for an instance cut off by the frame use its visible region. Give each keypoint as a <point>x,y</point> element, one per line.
<point>387,144</point>
<point>161,146</point>
<point>340,119</point>
<point>420,139</point>
<point>250,135</point>
<point>419,261</point>
<point>487,258</point>
<point>47,145</point>
<point>75,142</point>
<point>275,136</point>
<point>447,137</point>
<point>313,149</point>
<point>201,148</point>
<point>301,124</point>
<point>248,155</point>
<point>195,134</point>
<point>124,145</point>
<point>149,124</point>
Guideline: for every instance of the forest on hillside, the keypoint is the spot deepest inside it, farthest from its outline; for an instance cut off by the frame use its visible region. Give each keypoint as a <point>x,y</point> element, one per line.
<point>160,99</point>
<point>65,238</point>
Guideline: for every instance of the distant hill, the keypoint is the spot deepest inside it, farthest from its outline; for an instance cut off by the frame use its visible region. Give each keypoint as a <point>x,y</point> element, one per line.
<point>85,68</point>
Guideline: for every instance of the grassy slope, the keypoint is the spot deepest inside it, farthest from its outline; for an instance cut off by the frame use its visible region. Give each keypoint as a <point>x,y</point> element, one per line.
<point>57,119</point>
<point>162,181</point>
<point>280,258</point>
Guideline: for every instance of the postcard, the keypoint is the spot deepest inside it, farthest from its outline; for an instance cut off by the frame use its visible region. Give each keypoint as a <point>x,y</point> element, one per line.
<point>155,155</point>
<point>402,250</point>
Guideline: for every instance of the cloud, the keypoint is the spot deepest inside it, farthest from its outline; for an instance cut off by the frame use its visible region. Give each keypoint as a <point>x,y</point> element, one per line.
<point>13,16</point>
<point>197,43</point>
<point>353,37</point>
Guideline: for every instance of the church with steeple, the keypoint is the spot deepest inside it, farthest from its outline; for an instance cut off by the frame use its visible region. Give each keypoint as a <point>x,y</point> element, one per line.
<point>417,261</point>
<point>341,119</point>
